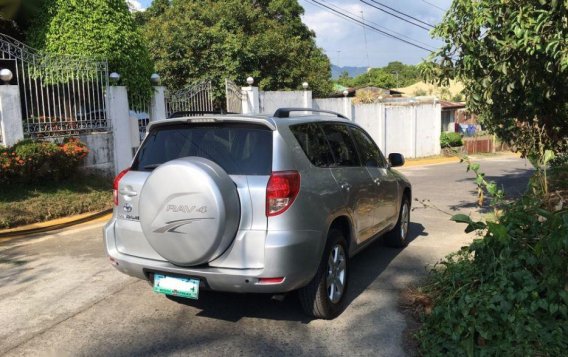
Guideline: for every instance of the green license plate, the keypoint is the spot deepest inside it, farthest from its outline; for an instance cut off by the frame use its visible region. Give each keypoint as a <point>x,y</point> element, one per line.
<point>187,288</point>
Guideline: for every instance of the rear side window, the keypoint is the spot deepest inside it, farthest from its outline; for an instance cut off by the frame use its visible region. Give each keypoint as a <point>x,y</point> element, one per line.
<point>240,149</point>
<point>313,142</point>
<point>341,144</point>
<point>368,151</point>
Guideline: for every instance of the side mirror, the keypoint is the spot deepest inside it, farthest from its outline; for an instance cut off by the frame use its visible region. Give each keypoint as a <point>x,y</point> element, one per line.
<point>396,159</point>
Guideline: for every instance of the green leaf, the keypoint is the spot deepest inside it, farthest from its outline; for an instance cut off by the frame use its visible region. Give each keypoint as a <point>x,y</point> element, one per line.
<point>461,218</point>
<point>548,156</point>
<point>498,231</point>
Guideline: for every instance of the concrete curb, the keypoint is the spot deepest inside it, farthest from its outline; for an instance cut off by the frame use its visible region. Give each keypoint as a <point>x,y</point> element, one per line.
<point>53,225</point>
<point>432,161</point>
<point>451,159</point>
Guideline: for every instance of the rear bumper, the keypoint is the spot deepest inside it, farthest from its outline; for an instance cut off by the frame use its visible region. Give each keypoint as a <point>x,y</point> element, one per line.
<point>294,255</point>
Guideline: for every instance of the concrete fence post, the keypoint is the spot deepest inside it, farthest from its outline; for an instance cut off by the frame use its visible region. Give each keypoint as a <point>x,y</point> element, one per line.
<point>158,104</point>
<point>347,108</point>
<point>307,98</point>
<point>251,100</point>
<point>118,114</point>
<point>10,115</point>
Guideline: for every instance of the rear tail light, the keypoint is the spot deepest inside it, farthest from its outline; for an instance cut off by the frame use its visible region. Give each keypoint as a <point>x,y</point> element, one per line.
<point>115,185</point>
<point>281,191</point>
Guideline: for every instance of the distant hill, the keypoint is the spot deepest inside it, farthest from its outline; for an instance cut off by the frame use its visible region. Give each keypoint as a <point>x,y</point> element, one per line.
<point>353,71</point>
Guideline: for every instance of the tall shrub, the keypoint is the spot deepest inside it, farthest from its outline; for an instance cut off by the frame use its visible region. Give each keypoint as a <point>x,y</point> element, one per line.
<point>102,29</point>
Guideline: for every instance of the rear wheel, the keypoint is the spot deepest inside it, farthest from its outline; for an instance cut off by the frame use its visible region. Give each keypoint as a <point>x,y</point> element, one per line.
<point>397,238</point>
<point>324,296</point>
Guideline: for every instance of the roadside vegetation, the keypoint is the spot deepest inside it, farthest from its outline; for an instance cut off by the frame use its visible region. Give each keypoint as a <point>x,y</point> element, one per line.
<point>507,292</point>
<point>40,180</point>
<point>22,204</point>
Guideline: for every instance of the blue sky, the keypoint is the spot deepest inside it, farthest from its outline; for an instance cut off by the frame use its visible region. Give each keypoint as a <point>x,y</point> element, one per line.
<point>344,41</point>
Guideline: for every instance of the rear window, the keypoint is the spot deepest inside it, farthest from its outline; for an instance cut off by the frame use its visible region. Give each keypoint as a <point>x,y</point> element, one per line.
<point>313,142</point>
<point>240,149</point>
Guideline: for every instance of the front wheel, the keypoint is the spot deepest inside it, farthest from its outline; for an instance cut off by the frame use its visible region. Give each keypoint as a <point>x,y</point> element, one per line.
<point>324,296</point>
<point>397,238</point>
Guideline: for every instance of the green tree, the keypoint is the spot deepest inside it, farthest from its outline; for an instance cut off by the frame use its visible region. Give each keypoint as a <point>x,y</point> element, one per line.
<point>344,79</point>
<point>395,74</point>
<point>156,8</point>
<point>102,29</point>
<point>266,39</point>
<point>512,57</point>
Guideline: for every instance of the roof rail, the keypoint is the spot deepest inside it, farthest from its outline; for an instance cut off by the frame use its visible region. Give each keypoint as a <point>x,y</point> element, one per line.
<point>194,113</point>
<point>285,112</point>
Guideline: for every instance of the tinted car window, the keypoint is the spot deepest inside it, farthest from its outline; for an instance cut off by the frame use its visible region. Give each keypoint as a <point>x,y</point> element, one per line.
<point>240,149</point>
<point>368,151</point>
<point>313,142</point>
<point>341,144</point>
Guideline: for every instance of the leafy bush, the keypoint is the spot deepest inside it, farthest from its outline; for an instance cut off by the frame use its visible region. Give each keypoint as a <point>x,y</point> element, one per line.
<point>507,293</point>
<point>561,160</point>
<point>450,140</point>
<point>34,161</point>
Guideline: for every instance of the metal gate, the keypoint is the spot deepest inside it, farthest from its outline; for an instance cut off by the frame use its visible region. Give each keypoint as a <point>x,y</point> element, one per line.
<point>234,96</point>
<point>195,98</point>
<point>61,95</point>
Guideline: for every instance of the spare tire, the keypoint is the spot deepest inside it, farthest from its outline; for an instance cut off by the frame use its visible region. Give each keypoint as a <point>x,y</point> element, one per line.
<point>189,210</point>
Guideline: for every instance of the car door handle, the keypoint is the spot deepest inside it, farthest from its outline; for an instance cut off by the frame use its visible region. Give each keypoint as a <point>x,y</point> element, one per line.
<point>129,193</point>
<point>345,186</point>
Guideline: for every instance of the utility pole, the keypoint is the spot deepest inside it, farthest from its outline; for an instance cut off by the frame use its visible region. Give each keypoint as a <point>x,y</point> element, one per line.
<point>397,84</point>
<point>366,49</point>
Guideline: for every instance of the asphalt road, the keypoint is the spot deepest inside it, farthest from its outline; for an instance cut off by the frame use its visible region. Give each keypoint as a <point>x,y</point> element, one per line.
<point>60,296</point>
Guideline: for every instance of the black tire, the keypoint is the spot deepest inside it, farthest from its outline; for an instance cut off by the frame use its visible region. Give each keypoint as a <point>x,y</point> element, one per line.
<point>397,237</point>
<point>315,297</point>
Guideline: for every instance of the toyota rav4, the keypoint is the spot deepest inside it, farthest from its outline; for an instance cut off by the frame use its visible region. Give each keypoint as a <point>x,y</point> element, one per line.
<point>256,204</point>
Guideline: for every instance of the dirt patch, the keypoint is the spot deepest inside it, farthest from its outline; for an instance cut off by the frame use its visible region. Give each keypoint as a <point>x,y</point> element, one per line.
<point>413,304</point>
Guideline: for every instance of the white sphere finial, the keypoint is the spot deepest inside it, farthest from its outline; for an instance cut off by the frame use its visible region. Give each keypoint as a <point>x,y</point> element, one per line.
<point>305,85</point>
<point>250,81</point>
<point>345,93</point>
<point>155,78</point>
<point>114,76</point>
<point>6,75</point>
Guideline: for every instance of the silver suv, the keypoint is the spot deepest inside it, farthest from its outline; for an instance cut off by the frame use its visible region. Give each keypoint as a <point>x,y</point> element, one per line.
<point>256,204</point>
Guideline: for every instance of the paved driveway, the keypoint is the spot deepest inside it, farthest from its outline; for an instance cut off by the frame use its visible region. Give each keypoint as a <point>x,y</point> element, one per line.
<point>59,295</point>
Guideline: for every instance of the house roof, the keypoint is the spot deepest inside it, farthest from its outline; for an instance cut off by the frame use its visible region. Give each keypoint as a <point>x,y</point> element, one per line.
<point>446,105</point>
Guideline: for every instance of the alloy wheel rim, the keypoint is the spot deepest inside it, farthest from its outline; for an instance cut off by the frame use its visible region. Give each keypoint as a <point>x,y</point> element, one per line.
<point>336,273</point>
<point>404,221</point>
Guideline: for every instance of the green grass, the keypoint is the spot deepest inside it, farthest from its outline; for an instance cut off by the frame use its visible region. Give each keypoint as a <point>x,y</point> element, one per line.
<point>22,204</point>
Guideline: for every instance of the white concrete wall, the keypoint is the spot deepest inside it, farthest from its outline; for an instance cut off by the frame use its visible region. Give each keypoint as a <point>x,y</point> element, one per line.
<point>271,101</point>
<point>158,104</point>
<point>118,114</point>
<point>408,126</point>
<point>101,155</point>
<point>11,130</point>
<point>333,104</point>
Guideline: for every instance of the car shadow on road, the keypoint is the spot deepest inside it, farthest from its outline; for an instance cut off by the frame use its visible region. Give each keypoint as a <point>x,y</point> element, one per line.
<point>366,267</point>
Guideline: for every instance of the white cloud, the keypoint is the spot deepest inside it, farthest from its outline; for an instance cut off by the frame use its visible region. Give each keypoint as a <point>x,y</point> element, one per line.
<point>135,5</point>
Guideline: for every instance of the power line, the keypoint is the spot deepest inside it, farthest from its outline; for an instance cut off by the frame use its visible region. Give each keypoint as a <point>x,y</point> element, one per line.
<point>342,10</point>
<point>434,5</point>
<point>399,17</point>
<point>340,14</point>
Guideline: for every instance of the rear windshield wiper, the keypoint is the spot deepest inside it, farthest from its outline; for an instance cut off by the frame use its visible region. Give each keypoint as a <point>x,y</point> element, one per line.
<point>151,167</point>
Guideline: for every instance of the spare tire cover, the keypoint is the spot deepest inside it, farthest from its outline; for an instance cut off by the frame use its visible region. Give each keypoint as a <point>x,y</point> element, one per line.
<point>189,210</point>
